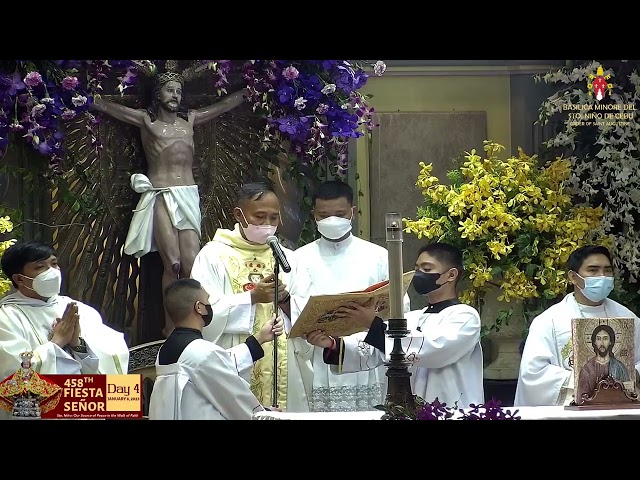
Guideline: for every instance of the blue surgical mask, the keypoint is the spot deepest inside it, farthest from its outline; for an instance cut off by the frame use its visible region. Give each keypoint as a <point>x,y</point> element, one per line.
<point>597,289</point>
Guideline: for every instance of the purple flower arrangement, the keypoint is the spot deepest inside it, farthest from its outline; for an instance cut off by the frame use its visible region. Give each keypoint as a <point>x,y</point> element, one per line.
<point>436,410</point>
<point>313,105</point>
<point>312,108</point>
<point>36,96</point>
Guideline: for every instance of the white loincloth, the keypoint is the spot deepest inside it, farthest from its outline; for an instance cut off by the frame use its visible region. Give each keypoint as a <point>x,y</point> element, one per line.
<point>183,205</point>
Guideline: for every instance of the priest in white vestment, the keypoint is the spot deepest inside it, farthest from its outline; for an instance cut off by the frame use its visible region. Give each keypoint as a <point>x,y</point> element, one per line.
<point>236,269</point>
<point>195,378</point>
<point>66,336</point>
<point>339,262</point>
<point>546,375</point>
<point>443,345</point>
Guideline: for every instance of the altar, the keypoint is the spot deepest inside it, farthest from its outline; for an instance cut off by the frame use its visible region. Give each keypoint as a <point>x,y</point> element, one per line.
<point>526,413</point>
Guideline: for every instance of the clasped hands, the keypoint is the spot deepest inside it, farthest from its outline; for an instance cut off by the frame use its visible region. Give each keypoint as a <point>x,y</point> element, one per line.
<point>66,330</point>
<point>356,314</point>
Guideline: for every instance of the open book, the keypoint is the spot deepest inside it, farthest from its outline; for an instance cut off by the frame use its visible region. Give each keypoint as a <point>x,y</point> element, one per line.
<point>319,312</point>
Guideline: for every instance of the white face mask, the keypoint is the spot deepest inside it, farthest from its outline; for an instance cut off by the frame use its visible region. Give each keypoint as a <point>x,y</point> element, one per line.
<point>47,284</point>
<point>334,228</point>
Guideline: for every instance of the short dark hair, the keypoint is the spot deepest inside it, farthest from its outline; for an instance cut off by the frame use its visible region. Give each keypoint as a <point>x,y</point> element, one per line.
<point>18,255</point>
<point>180,297</point>
<point>449,255</point>
<point>578,256</point>
<point>610,332</point>
<point>332,190</point>
<point>253,191</point>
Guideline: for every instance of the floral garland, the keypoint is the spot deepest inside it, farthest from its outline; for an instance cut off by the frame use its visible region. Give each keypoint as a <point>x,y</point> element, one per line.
<point>312,107</point>
<point>605,163</point>
<point>436,410</point>
<point>514,221</point>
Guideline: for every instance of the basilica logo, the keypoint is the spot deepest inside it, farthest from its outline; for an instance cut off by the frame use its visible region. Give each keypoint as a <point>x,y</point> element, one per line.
<point>598,85</point>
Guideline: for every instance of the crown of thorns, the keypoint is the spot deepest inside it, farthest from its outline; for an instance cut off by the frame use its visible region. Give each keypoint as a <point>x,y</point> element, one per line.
<point>163,78</point>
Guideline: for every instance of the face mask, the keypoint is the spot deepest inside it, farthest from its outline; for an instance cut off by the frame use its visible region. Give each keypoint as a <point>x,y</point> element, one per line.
<point>209,316</point>
<point>47,284</point>
<point>257,233</point>
<point>424,283</point>
<point>334,228</point>
<point>597,289</point>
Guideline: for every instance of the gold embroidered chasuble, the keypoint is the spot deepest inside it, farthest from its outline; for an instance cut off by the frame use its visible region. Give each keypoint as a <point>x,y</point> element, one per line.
<point>246,264</point>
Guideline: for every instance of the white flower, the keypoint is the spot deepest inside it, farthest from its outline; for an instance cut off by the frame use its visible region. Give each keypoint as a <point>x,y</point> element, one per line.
<point>379,68</point>
<point>79,100</point>
<point>37,109</point>
<point>329,88</point>
<point>613,168</point>
<point>300,103</point>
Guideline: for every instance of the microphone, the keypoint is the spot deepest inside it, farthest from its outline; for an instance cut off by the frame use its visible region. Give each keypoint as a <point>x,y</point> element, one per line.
<point>272,241</point>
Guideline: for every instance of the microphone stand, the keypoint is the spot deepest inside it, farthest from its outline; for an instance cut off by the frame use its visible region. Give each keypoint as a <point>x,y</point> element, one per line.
<point>276,274</point>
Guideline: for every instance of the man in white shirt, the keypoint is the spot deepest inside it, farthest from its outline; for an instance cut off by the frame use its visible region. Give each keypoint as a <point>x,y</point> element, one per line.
<point>66,336</point>
<point>546,375</point>
<point>236,268</point>
<point>340,262</point>
<point>444,341</point>
<point>196,379</point>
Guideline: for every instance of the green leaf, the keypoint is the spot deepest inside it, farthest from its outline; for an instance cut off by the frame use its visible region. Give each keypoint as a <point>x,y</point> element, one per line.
<point>531,270</point>
<point>504,316</point>
<point>522,241</point>
<point>484,330</point>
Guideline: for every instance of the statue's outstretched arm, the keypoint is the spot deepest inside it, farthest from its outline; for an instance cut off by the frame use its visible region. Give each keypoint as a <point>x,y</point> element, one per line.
<point>119,112</point>
<point>230,102</point>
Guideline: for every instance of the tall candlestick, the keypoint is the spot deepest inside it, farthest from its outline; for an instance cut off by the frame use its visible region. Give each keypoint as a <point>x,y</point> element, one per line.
<point>398,376</point>
<point>394,247</point>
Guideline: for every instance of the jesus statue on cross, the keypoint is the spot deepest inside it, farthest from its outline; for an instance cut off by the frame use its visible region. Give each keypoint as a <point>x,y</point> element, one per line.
<point>167,218</point>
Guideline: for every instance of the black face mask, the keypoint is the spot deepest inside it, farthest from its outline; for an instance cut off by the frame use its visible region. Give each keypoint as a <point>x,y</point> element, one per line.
<point>424,283</point>
<point>209,316</point>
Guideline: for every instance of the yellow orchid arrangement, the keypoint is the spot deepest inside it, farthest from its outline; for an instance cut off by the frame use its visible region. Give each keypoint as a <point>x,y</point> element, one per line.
<point>514,222</point>
<point>6,226</point>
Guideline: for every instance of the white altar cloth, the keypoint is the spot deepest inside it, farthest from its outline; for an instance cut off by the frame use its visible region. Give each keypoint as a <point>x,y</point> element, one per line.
<point>526,413</point>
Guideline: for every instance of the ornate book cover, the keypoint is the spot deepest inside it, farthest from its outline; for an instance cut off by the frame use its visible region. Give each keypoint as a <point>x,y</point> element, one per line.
<point>319,312</point>
<point>603,348</point>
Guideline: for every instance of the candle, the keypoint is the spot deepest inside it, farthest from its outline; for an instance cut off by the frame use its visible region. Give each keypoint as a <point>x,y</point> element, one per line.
<point>393,222</point>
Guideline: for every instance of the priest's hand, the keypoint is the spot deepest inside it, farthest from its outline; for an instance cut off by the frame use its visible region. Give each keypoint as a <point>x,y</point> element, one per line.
<point>265,290</point>
<point>356,314</point>
<point>319,339</point>
<point>64,328</point>
<point>272,329</point>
